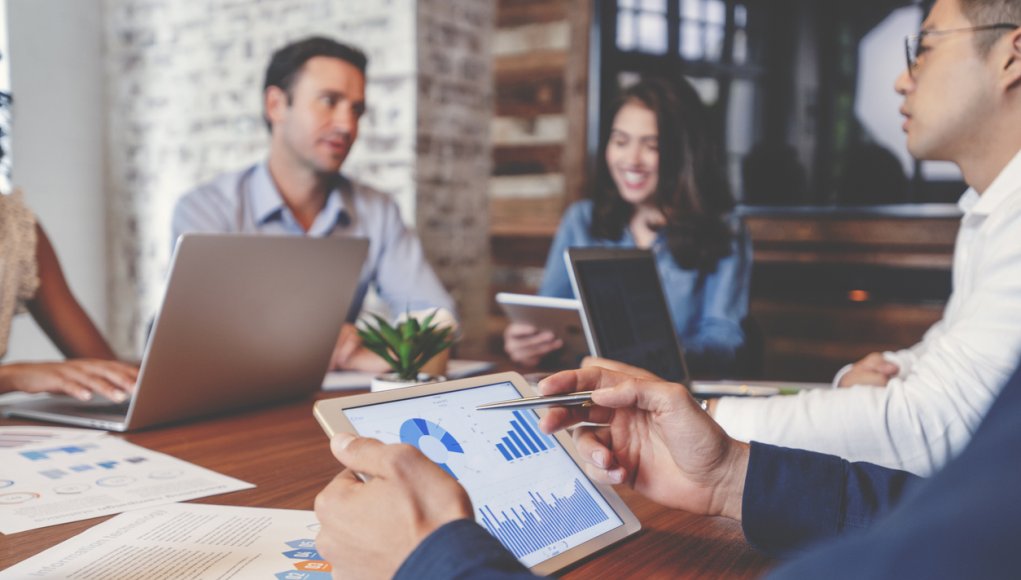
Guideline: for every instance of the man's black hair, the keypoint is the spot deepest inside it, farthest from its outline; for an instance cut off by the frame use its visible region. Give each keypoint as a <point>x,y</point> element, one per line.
<point>287,61</point>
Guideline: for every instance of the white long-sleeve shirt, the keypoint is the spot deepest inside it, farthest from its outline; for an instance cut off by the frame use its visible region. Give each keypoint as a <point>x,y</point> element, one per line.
<point>929,411</point>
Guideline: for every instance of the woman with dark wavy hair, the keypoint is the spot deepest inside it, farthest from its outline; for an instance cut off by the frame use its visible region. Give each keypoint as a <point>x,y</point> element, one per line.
<point>661,185</point>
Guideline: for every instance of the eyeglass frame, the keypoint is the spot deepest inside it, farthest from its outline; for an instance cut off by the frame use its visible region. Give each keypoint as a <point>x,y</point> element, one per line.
<point>915,40</point>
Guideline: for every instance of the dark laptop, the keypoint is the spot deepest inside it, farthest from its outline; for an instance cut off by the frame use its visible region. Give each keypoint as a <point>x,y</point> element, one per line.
<point>624,311</point>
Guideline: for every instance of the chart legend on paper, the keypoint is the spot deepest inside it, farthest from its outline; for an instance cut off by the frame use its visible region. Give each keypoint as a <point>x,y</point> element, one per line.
<point>524,438</point>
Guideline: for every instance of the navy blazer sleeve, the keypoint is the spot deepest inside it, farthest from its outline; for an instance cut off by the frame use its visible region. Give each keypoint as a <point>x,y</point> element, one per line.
<point>793,498</point>
<point>964,522</point>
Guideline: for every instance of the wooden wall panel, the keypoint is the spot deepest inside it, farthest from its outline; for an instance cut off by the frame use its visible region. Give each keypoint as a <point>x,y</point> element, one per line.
<point>529,159</point>
<point>534,161</point>
<point>525,97</point>
<point>512,13</point>
<point>540,74</point>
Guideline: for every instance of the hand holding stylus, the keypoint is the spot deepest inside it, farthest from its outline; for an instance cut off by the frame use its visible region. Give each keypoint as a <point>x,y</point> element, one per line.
<point>656,439</point>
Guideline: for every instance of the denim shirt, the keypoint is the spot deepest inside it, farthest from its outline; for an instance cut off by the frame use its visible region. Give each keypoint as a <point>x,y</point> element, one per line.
<point>707,307</point>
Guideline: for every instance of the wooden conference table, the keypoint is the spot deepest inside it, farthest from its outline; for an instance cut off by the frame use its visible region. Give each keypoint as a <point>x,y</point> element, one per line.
<point>282,450</point>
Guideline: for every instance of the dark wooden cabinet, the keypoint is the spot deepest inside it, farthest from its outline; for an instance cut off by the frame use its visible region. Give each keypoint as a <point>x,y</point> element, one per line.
<point>831,285</point>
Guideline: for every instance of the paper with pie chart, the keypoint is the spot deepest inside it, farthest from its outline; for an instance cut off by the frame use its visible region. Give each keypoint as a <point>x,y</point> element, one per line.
<point>64,481</point>
<point>526,490</point>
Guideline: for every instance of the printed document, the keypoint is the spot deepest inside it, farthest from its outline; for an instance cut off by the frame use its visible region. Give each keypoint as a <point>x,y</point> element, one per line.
<point>204,542</point>
<point>60,480</point>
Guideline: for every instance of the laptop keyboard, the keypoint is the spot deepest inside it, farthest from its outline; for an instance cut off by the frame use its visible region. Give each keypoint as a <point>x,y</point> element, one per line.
<point>100,405</point>
<point>110,407</point>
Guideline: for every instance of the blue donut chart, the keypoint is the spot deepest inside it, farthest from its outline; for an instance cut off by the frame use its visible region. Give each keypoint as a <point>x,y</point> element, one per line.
<point>432,440</point>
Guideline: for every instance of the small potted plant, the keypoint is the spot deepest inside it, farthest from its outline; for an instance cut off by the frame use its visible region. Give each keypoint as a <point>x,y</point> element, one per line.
<point>406,346</point>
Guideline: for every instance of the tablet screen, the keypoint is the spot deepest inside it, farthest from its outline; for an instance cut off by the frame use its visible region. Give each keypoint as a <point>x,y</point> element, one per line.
<point>526,489</point>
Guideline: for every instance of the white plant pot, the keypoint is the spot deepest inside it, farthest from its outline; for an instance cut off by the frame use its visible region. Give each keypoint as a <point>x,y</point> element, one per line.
<point>388,381</point>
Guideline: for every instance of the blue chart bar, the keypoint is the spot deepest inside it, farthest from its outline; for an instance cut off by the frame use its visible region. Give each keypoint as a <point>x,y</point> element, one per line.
<point>44,454</point>
<point>526,530</point>
<point>524,438</point>
<point>53,473</point>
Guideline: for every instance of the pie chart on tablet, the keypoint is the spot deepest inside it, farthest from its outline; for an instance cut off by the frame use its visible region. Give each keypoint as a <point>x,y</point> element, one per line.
<point>432,440</point>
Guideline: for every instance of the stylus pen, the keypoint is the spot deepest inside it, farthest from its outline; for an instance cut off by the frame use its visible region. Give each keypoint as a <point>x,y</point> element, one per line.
<point>582,398</point>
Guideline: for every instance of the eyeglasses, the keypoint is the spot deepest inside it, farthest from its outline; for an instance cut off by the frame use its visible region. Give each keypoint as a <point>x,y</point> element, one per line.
<point>913,42</point>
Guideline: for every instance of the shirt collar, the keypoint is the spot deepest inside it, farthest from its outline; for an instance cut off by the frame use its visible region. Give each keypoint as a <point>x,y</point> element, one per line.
<point>333,214</point>
<point>1006,184</point>
<point>268,205</point>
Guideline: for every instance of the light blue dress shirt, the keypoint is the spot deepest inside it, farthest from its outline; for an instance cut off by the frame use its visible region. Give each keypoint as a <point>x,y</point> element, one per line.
<point>707,308</point>
<point>248,201</point>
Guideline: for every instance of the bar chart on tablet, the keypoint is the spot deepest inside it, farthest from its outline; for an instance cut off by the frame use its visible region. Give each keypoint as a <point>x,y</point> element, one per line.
<point>527,529</point>
<point>524,438</point>
<point>528,492</point>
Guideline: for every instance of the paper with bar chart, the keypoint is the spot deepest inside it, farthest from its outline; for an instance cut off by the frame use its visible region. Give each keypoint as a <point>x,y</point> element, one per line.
<point>54,482</point>
<point>527,491</point>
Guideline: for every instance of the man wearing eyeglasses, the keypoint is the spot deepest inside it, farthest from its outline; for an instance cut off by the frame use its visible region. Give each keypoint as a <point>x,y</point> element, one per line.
<point>962,102</point>
<point>917,408</point>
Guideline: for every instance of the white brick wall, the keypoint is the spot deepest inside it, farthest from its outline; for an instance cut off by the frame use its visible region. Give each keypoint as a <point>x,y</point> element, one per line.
<point>454,152</point>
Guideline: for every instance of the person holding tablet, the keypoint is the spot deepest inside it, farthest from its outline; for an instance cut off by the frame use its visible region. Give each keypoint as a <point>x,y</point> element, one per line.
<point>30,277</point>
<point>660,186</point>
<point>411,519</point>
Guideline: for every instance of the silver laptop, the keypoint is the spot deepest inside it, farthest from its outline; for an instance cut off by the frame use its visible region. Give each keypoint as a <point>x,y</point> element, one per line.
<point>245,320</point>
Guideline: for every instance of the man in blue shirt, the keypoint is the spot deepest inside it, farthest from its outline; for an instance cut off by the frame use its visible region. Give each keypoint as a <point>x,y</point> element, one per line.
<point>314,96</point>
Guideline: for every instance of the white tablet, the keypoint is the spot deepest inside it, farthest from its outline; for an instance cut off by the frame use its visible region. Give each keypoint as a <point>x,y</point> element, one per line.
<point>562,316</point>
<point>527,488</point>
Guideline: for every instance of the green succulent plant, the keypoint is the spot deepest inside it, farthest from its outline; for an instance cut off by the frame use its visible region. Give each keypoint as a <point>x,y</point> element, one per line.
<point>407,346</point>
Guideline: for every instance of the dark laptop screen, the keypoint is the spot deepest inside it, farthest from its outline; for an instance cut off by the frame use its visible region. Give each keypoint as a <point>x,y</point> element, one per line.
<point>626,310</point>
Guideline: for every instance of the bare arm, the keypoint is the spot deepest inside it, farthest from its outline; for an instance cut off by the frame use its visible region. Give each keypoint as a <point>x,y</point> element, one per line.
<point>58,313</point>
<point>95,368</point>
